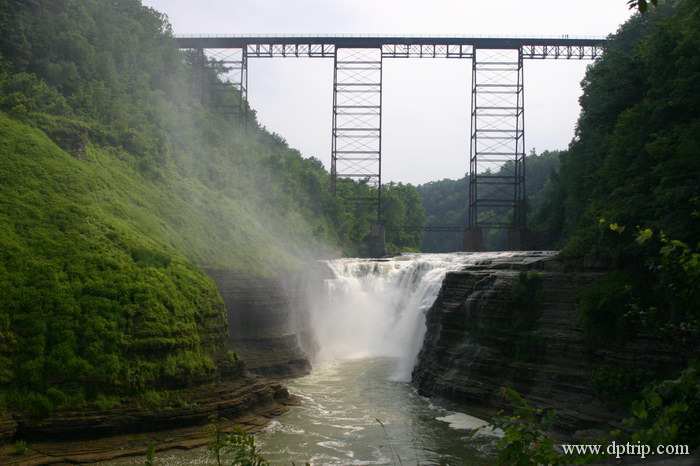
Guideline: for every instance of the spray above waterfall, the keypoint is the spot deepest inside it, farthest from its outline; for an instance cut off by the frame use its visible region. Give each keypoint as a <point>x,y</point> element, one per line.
<point>376,308</point>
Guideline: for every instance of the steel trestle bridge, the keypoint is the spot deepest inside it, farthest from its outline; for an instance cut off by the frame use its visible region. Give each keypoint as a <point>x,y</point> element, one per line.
<point>497,134</point>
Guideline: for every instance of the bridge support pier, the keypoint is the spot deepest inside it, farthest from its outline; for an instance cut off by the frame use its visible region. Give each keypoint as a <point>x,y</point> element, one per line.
<point>473,240</point>
<point>520,239</point>
<point>377,240</point>
<point>515,239</point>
<point>497,149</point>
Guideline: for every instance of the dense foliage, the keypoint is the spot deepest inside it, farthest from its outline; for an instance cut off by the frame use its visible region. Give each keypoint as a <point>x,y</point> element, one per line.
<point>91,303</point>
<point>635,159</point>
<point>635,164</point>
<point>402,207</point>
<point>627,197</point>
<point>122,177</point>
<point>446,203</point>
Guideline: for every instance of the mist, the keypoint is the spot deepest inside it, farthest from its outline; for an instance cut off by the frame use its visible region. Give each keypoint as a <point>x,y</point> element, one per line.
<point>376,308</point>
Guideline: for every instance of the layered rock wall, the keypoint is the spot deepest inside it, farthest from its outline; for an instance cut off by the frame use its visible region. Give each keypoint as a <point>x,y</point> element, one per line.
<point>478,340</point>
<point>267,321</point>
<point>91,435</point>
<point>243,395</point>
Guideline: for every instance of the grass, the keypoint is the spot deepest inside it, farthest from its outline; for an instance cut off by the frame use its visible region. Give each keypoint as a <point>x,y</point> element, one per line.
<point>100,275</point>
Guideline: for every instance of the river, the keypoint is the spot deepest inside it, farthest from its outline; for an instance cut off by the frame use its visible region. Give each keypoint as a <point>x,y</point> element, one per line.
<point>353,413</point>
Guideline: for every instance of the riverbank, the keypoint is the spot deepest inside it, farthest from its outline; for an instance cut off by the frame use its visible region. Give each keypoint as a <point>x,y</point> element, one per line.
<point>128,430</point>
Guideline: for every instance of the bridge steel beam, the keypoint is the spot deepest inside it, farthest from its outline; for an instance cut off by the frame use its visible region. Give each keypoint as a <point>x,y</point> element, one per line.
<point>356,147</point>
<point>408,47</point>
<point>445,229</point>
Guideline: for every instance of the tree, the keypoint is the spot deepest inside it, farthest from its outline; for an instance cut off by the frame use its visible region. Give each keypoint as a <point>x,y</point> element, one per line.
<point>641,5</point>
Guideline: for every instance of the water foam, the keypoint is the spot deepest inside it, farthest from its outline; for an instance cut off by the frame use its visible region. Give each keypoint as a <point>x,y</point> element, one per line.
<point>376,308</point>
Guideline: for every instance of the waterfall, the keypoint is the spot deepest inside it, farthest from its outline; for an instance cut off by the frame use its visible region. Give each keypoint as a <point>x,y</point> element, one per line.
<point>376,308</point>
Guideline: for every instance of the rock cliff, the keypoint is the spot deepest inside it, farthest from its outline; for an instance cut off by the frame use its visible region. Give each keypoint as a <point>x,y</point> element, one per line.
<point>266,321</point>
<point>479,339</point>
<point>93,435</point>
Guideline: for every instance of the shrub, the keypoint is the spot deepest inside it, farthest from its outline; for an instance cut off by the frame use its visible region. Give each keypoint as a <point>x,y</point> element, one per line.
<point>20,447</point>
<point>603,309</point>
<point>150,258</point>
<point>525,439</point>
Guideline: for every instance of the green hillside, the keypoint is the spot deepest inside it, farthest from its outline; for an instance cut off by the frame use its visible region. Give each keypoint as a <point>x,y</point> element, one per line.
<point>88,279</point>
<point>635,159</point>
<point>121,180</point>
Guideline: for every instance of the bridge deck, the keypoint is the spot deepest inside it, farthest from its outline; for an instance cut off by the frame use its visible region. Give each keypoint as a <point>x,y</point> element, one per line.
<point>398,47</point>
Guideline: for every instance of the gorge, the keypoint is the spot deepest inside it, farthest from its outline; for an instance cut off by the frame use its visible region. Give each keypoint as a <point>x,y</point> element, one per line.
<point>457,327</point>
<point>471,323</point>
<point>165,266</point>
<point>374,329</point>
<point>382,335</point>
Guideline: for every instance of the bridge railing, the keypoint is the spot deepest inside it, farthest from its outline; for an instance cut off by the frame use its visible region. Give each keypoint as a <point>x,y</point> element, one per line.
<point>392,35</point>
<point>397,46</point>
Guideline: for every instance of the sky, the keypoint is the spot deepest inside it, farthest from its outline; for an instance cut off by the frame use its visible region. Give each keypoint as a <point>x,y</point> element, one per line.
<point>426,102</point>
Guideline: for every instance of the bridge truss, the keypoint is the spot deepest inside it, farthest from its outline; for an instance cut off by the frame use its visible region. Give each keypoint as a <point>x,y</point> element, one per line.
<point>235,62</point>
<point>497,135</point>
<point>357,121</point>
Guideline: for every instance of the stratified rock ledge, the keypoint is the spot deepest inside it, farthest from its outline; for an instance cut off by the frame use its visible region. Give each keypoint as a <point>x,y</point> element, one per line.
<point>248,401</point>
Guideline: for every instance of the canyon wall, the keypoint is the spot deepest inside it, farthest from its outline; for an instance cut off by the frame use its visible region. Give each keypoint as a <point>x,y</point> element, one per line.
<point>480,338</point>
<point>264,334</point>
<point>268,320</point>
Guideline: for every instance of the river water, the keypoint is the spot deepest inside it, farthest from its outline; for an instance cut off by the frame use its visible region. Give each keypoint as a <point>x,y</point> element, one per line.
<point>358,406</point>
<point>353,413</point>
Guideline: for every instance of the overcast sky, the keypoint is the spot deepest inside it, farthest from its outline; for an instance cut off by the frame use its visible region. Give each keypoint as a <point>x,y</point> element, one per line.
<point>425,126</point>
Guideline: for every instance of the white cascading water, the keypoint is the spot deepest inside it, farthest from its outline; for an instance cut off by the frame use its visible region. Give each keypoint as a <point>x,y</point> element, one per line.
<point>377,307</point>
